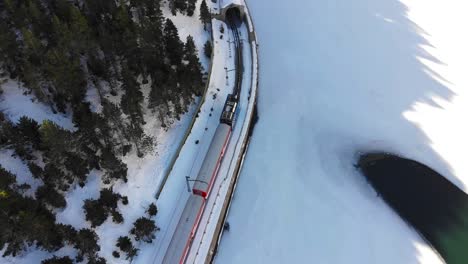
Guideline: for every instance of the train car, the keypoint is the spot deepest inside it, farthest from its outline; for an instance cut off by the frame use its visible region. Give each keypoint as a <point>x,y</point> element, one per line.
<point>212,161</point>
<point>218,146</point>
<point>193,211</point>
<point>186,228</point>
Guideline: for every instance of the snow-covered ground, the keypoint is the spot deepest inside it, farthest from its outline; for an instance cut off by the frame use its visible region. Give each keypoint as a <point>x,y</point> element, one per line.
<point>15,103</point>
<point>144,174</point>
<point>337,78</point>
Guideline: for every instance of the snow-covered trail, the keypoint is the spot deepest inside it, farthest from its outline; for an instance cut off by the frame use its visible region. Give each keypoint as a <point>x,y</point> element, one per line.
<point>339,77</point>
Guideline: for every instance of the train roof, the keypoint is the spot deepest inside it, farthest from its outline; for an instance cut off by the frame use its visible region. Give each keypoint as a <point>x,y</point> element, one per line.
<point>212,158</point>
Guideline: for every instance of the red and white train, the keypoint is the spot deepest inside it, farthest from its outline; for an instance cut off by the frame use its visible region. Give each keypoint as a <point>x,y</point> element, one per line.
<point>193,211</point>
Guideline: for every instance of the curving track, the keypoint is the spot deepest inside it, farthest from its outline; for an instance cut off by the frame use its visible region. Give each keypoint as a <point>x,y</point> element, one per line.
<point>234,23</point>
<point>188,224</point>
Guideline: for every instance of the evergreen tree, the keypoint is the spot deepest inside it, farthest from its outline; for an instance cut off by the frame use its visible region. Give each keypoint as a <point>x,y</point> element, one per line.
<point>8,134</point>
<point>27,220</point>
<point>208,49</point>
<point>113,115</point>
<point>114,167</point>
<point>29,131</point>
<point>178,6</point>
<point>80,29</point>
<point>57,260</point>
<point>50,196</point>
<point>67,232</point>
<point>133,98</point>
<point>97,260</point>
<point>95,212</point>
<point>152,210</point>
<point>55,140</point>
<point>191,6</point>
<point>125,244</point>
<point>109,199</point>
<point>117,217</point>
<point>9,52</point>
<point>143,229</point>
<point>152,44</point>
<point>205,15</point>
<point>77,167</point>
<point>53,176</point>
<point>191,74</point>
<point>86,244</point>
<point>174,47</point>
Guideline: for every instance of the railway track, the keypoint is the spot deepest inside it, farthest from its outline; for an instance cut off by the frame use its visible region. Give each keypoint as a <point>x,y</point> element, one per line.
<point>233,23</point>
<point>189,222</point>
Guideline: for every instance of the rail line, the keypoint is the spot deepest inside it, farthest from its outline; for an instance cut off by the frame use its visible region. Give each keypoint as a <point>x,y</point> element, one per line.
<point>233,22</point>
<point>188,226</point>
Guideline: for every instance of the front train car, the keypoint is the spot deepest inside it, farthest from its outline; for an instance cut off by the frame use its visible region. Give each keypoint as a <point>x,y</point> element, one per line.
<point>218,146</point>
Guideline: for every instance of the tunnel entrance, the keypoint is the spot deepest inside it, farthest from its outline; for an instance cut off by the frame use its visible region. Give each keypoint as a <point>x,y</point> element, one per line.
<point>233,13</point>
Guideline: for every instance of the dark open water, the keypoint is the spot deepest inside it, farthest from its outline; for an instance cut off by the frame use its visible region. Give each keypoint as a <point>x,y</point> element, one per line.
<point>423,198</point>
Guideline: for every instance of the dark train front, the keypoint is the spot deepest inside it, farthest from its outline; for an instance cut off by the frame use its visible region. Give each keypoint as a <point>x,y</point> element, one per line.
<point>229,111</point>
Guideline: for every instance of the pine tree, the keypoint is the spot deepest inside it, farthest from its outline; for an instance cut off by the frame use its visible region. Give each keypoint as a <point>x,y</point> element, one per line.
<point>191,6</point>
<point>152,210</point>
<point>174,47</point>
<point>54,140</point>
<point>125,244</point>
<point>67,232</point>
<point>86,244</point>
<point>9,52</point>
<point>27,220</point>
<point>205,15</point>
<point>114,167</point>
<point>191,75</point>
<point>29,131</point>
<point>97,260</point>
<point>54,177</point>
<point>50,196</point>
<point>208,49</point>
<point>143,229</point>
<point>117,217</point>
<point>133,98</point>
<point>80,29</point>
<point>57,260</point>
<point>94,212</point>
<point>108,199</point>
<point>178,6</point>
<point>152,44</point>
<point>190,51</point>
<point>77,166</point>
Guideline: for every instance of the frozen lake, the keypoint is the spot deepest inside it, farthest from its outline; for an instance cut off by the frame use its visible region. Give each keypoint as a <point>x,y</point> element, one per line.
<point>337,78</point>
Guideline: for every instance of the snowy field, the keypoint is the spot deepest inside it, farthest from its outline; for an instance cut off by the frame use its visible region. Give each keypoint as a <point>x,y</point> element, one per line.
<point>338,78</point>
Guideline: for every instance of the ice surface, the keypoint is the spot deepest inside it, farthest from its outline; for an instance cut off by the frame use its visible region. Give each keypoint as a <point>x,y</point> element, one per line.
<point>339,77</point>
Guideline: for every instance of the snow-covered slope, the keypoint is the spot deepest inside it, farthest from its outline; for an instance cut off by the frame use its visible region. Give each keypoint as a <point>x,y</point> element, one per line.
<point>339,77</point>
<point>144,174</point>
